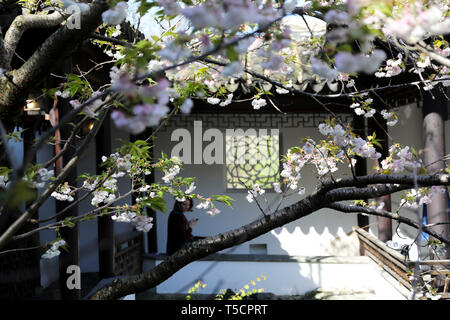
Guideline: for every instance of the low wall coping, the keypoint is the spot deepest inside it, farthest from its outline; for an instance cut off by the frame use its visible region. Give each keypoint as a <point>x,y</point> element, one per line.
<point>272,258</point>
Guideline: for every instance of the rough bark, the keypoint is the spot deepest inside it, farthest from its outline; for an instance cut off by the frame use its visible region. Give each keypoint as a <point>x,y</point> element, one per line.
<point>16,83</point>
<point>3,55</point>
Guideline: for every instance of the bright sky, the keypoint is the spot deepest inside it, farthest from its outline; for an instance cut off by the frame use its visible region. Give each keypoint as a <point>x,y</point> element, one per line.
<point>150,27</point>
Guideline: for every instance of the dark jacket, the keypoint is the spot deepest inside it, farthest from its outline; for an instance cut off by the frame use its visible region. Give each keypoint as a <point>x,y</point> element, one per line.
<point>178,232</point>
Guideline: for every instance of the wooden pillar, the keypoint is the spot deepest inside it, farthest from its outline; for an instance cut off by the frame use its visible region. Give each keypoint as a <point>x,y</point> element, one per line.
<point>434,115</point>
<point>359,127</point>
<point>29,137</point>
<point>378,125</point>
<point>70,235</point>
<point>105,225</point>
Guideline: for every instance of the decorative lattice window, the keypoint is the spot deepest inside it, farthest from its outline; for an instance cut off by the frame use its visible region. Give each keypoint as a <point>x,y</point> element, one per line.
<point>252,157</point>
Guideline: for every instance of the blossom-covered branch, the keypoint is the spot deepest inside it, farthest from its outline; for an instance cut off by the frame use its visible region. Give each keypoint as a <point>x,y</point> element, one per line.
<point>202,248</point>
<point>383,213</point>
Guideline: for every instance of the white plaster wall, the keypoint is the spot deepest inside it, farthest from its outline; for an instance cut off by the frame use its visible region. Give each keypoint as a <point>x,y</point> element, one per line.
<point>89,229</point>
<point>49,267</point>
<point>409,132</point>
<point>282,278</point>
<point>310,235</point>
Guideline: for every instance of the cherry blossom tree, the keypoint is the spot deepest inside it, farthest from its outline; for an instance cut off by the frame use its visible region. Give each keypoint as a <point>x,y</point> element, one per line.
<point>203,49</point>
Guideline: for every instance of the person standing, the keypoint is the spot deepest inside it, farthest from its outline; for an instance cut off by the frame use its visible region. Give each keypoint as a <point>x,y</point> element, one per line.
<point>179,229</point>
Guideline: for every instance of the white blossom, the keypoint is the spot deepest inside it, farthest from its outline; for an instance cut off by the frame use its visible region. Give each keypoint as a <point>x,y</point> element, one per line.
<point>3,180</point>
<point>227,101</point>
<point>211,100</point>
<point>276,187</point>
<point>308,147</point>
<point>171,174</point>
<point>54,250</point>
<point>204,204</point>
<point>370,113</point>
<point>359,111</point>
<point>250,197</point>
<point>258,103</point>
<point>213,211</point>
<point>191,188</point>
<point>174,51</point>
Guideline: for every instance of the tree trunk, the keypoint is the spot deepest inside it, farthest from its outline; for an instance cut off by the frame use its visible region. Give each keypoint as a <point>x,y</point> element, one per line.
<point>14,85</point>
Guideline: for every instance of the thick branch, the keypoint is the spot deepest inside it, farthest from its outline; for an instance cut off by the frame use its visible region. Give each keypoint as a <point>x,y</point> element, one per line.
<point>202,248</point>
<point>24,22</point>
<point>205,247</point>
<point>59,45</point>
<point>383,213</point>
<point>405,179</point>
<point>3,62</point>
<point>422,47</point>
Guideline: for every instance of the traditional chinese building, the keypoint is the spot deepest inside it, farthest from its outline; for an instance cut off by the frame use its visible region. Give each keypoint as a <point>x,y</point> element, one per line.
<point>320,250</point>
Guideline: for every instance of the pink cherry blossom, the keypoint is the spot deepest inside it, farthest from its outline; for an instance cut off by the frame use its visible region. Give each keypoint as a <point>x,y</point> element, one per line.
<point>124,85</point>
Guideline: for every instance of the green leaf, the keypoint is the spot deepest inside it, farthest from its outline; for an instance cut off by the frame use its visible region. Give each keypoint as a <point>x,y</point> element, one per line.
<point>232,53</point>
<point>21,193</point>
<point>156,203</point>
<point>224,199</point>
<point>145,5</point>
